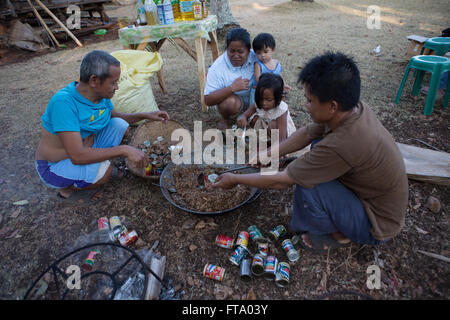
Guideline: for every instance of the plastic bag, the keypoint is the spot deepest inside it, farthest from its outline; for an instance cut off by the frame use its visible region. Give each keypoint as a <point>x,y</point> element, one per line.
<point>135,92</point>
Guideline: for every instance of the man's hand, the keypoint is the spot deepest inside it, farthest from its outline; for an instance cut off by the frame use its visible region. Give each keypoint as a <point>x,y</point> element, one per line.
<point>158,116</point>
<point>137,157</point>
<point>224,181</point>
<point>240,84</point>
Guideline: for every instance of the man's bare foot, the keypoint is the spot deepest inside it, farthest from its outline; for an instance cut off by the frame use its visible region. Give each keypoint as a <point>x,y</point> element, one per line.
<point>65,192</point>
<point>222,124</point>
<point>338,236</point>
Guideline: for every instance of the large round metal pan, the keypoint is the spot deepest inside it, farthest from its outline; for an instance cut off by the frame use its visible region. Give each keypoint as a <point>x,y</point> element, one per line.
<point>166,182</point>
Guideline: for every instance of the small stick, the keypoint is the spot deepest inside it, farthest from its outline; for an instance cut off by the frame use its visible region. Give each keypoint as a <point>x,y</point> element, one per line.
<point>59,22</point>
<point>434,255</point>
<point>428,145</point>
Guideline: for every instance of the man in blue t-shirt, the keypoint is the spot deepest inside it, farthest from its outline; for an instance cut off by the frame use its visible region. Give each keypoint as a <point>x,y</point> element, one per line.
<point>82,132</point>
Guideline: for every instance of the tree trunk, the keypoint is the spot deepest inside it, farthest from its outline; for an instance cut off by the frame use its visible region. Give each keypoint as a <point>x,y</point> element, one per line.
<point>225,18</point>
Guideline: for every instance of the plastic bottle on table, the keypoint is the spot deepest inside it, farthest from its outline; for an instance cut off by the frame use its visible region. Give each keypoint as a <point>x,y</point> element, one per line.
<point>197,10</point>
<point>205,10</point>
<point>141,14</point>
<point>168,12</point>
<point>187,14</point>
<point>151,13</point>
<point>176,10</point>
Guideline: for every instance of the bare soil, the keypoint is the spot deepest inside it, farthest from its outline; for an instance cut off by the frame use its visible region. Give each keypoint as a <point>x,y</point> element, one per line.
<point>33,235</point>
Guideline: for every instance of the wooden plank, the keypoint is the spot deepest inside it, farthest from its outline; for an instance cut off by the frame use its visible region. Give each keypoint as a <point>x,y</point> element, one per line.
<point>426,165</point>
<point>214,45</point>
<point>44,24</point>
<point>201,70</point>
<point>154,286</point>
<point>185,46</point>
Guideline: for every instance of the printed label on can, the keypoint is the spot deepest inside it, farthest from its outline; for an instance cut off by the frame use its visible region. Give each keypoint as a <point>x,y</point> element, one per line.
<point>238,255</point>
<point>255,234</point>
<point>258,265</point>
<point>242,239</point>
<point>89,261</point>
<point>103,224</point>
<point>263,248</point>
<point>283,274</point>
<point>214,272</point>
<point>114,222</point>
<point>277,232</point>
<point>224,241</point>
<point>270,268</point>
<point>291,253</point>
<point>186,6</point>
<point>126,239</point>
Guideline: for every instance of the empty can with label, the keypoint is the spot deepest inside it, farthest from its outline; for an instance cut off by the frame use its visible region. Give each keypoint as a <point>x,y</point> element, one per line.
<point>255,234</point>
<point>283,274</point>
<point>291,253</point>
<point>224,241</point>
<point>277,232</point>
<point>258,265</point>
<point>242,239</point>
<point>238,255</point>
<point>88,264</point>
<point>246,272</point>
<point>270,268</point>
<point>214,272</point>
<point>103,229</point>
<point>263,248</point>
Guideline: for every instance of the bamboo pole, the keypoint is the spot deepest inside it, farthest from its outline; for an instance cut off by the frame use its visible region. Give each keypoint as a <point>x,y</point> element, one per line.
<point>43,23</point>
<point>59,22</point>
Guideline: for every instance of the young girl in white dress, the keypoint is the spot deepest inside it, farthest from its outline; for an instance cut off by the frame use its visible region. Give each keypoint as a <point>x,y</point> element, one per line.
<point>269,111</point>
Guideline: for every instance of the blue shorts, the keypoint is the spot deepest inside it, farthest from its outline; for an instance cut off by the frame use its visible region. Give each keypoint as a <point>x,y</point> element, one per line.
<point>64,173</point>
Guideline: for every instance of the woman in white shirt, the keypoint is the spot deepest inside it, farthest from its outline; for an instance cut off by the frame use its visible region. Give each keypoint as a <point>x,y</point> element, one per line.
<point>227,84</point>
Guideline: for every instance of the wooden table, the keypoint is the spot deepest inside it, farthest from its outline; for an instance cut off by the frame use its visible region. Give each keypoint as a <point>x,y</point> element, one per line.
<point>153,37</point>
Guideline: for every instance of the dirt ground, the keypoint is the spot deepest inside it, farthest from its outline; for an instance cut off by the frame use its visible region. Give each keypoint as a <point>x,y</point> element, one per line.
<point>33,235</point>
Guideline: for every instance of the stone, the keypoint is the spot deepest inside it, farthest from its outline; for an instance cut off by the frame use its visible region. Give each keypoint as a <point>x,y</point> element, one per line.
<point>433,204</point>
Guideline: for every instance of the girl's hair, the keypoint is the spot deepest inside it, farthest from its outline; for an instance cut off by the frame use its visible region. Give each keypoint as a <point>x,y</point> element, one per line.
<point>263,40</point>
<point>270,81</point>
<point>333,76</point>
<point>239,34</point>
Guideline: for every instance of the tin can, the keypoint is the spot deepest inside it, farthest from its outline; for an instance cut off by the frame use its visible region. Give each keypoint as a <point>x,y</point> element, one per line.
<point>238,255</point>
<point>242,239</point>
<point>276,233</point>
<point>103,229</point>
<point>255,234</point>
<point>291,253</point>
<point>126,239</point>
<point>224,241</point>
<point>258,265</point>
<point>158,167</point>
<point>214,272</point>
<point>246,272</point>
<point>88,264</point>
<point>148,170</point>
<point>283,274</point>
<point>263,248</point>
<point>270,268</point>
<point>116,228</point>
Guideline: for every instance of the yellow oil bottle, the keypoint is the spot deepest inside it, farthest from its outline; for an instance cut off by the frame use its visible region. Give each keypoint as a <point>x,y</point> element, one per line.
<point>176,10</point>
<point>186,11</point>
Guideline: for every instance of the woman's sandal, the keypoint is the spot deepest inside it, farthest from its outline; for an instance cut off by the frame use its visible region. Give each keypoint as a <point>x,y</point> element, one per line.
<point>80,197</point>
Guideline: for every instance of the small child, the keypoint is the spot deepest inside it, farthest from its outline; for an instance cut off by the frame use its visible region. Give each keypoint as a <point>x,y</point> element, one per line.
<point>264,47</point>
<point>269,111</point>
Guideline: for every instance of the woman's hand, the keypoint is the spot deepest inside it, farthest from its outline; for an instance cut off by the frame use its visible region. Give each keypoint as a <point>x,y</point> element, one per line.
<point>158,116</point>
<point>242,121</point>
<point>240,84</point>
<point>224,181</point>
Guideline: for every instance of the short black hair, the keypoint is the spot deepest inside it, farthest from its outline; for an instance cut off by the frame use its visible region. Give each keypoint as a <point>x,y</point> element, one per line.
<point>270,81</point>
<point>262,41</point>
<point>333,76</point>
<point>97,62</point>
<point>239,34</point>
